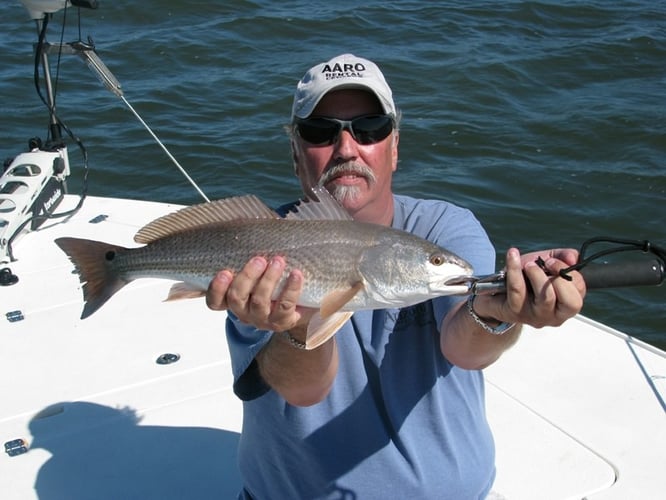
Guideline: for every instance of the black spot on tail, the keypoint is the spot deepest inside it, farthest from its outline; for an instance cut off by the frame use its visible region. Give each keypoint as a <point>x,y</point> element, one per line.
<point>93,260</point>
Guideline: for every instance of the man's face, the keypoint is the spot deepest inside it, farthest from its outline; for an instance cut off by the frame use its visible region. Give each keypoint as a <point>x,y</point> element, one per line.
<point>359,176</point>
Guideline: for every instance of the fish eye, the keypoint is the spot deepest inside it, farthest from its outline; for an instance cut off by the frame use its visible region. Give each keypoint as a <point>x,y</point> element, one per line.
<point>436,259</point>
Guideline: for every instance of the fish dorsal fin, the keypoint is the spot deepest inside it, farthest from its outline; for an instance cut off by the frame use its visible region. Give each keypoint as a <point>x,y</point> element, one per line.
<point>227,209</point>
<point>319,206</point>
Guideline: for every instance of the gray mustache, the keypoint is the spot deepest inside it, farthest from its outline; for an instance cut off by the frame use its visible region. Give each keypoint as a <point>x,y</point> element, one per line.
<point>347,168</point>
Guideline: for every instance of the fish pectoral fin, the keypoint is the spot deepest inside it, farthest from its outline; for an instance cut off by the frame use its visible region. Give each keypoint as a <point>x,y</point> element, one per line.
<point>321,329</point>
<point>337,299</point>
<point>183,290</point>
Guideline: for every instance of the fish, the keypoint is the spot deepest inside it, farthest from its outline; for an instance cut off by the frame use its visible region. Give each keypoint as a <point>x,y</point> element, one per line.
<point>347,265</point>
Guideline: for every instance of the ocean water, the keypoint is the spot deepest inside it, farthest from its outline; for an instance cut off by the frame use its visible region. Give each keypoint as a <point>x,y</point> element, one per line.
<point>547,119</point>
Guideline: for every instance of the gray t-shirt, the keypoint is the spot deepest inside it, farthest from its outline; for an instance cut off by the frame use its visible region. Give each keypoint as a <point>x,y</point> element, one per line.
<point>400,421</point>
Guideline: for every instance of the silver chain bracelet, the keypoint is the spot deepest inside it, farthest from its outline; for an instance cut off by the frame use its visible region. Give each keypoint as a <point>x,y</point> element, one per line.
<point>294,341</point>
<point>500,329</point>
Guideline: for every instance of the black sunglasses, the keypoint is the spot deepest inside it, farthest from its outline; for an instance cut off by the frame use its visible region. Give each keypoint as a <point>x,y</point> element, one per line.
<point>366,129</point>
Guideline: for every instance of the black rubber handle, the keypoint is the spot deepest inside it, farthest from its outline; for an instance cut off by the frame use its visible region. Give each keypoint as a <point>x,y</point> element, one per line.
<point>646,272</point>
<point>624,274</point>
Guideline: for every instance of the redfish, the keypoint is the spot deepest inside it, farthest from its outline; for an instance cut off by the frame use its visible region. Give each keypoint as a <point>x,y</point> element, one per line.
<point>347,265</point>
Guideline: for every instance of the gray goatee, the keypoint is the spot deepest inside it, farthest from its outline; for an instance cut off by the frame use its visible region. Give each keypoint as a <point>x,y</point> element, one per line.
<point>346,193</point>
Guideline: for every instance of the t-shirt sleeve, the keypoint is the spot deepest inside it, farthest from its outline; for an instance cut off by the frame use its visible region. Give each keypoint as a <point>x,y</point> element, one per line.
<point>245,342</point>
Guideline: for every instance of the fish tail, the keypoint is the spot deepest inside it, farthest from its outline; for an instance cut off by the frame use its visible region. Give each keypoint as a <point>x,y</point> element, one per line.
<point>91,258</point>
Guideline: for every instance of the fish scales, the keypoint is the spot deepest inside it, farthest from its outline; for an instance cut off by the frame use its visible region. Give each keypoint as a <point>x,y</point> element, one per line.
<point>327,252</point>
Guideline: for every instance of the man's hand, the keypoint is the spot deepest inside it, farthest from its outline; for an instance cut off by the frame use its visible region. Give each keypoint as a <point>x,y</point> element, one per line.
<point>301,377</point>
<point>534,295</point>
<point>249,295</point>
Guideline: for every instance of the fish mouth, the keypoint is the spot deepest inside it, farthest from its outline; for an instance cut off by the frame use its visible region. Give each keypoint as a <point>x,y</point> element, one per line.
<point>456,285</point>
<point>463,279</point>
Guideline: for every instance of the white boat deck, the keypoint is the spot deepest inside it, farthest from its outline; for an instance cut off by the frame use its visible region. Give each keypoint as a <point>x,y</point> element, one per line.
<point>578,412</point>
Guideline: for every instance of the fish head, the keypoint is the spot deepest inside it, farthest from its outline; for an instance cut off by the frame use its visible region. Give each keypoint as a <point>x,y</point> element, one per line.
<point>403,269</point>
<point>447,273</point>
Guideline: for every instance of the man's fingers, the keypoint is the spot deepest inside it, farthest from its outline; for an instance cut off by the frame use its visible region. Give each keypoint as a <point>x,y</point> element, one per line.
<point>249,294</point>
<point>262,293</point>
<point>516,292</point>
<point>240,290</point>
<point>570,294</point>
<point>282,314</point>
<point>540,282</point>
<point>217,291</point>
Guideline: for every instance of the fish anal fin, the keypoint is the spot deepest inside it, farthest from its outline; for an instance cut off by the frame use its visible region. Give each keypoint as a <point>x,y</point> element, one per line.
<point>337,299</point>
<point>181,290</point>
<point>321,329</point>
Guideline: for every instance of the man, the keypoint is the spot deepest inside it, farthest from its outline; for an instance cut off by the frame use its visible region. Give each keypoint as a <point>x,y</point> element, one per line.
<point>393,405</point>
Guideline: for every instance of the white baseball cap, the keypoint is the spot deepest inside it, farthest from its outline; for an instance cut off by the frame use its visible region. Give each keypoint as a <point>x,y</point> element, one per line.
<point>345,71</point>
